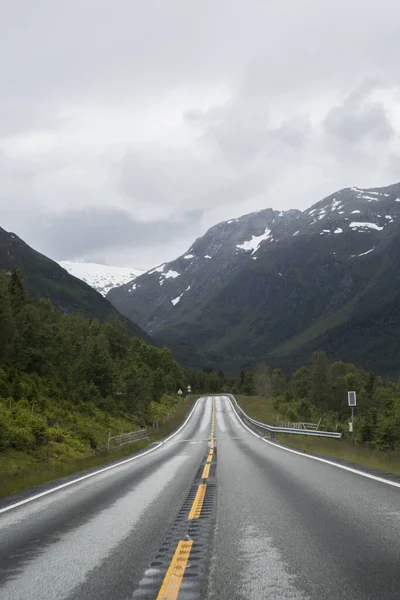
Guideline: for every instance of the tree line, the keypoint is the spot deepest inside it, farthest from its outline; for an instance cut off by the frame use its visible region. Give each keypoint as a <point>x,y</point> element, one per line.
<point>319,391</point>
<point>64,367</point>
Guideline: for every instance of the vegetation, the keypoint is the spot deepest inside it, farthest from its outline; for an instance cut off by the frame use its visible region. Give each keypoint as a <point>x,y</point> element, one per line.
<point>67,381</point>
<point>319,392</point>
<point>47,279</point>
<point>20,470</point>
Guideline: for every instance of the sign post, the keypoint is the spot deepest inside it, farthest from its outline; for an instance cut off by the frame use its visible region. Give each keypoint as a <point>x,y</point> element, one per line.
<point>352,400</point>
<point>189,389</point>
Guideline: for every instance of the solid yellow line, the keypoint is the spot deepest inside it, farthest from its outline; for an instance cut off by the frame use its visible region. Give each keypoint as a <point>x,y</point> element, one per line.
<point>198,502</point>
<point>210,456</point>
<point>170,587</point>
<point>206,471</point>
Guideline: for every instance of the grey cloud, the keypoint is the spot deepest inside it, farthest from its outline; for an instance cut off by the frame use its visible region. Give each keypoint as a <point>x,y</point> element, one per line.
<point>126,131</point>
<point>95,231</point>
<point>358,118</point>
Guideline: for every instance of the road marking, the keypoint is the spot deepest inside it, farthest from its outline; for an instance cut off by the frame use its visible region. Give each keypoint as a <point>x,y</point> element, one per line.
<point>170,587</point>
<point>317,458</point>
<point>198,502</point>
<point>210,456</point>
<point>206,472</point>
<point>123,462</point>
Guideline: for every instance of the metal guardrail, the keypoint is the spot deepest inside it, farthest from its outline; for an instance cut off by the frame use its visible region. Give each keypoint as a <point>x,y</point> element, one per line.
<point>262,428</point>
<point>127,438</point>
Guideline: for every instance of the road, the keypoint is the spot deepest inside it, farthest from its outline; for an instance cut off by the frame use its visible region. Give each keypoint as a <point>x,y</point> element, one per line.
<point>214,512</point>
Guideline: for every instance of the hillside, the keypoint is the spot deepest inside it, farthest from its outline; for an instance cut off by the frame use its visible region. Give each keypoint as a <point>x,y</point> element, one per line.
<point>46,278</point>
<point>283,284</point>
<point>102,278</point>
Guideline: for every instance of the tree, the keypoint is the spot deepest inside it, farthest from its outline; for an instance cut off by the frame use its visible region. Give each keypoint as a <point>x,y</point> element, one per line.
<point>300,383</point>
<point>17,290</point>
<point>263,381</point>
<point>248,385</point>
<point>320,392</point>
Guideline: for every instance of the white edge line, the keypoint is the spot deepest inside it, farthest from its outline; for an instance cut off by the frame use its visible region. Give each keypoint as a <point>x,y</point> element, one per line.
<point>123,462</point>
<point>311,457</point>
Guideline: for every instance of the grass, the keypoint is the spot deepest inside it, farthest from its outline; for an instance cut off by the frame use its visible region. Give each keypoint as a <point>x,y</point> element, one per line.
<point>262,410</point>
<point>20,471</point>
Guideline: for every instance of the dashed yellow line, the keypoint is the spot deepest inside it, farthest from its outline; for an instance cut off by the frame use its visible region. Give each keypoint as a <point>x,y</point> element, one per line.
<point>197,505</point>
<point>173,578</point>
<point>170,587</point>
<point>206,471</point>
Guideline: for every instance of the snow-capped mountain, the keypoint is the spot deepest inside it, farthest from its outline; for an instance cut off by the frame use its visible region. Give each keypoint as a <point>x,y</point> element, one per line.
<point>201,272</point>
<point>275,283</point>
<point>100,277</point>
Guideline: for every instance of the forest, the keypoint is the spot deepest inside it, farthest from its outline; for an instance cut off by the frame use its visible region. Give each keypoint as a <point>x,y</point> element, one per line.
<point>65,379</point>
<point>319,391</point>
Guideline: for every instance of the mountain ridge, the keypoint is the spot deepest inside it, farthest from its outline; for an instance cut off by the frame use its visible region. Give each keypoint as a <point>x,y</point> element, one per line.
<point>271,277</point>
<point>46,278</point>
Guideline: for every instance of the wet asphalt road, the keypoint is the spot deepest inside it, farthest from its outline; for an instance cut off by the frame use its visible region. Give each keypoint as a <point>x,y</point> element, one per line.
<point>286,526</point>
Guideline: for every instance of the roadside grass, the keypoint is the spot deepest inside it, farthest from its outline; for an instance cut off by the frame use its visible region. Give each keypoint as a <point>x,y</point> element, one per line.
<point>261,409</point>
<point>344,449</point>
<point>20,471</point>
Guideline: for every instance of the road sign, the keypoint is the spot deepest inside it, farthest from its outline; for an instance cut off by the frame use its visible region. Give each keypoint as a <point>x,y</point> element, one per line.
<point>180,392</point>
<point>352,399</point>
<point>189,389</point>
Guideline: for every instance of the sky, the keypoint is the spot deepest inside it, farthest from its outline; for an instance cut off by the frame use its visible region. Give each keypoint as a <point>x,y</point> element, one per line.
<point>129,127</point>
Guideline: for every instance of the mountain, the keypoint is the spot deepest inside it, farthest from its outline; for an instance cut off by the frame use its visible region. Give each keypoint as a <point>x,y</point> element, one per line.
<point>164,295</point>
<point>279,285</point>
<point>100,277</point>
<point>46,278</point>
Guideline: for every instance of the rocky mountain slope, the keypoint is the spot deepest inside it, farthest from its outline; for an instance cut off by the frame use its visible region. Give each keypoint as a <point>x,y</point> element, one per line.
<point>46,278</point>
<point>278,285</point>
<point>102,278</point>
<point>164,295</point>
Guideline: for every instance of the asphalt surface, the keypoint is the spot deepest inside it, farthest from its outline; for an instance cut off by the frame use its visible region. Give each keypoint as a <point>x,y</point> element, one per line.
<point>283,526</point>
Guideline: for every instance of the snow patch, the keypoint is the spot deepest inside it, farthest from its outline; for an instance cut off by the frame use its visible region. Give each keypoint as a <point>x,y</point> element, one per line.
<point>367,252</point>
<point>355,212</point>
<point>389,218</point>
<point>356,225</point>
<point>369,198</point>
<point>296,233</point>
<point>255,242</point>
<point>207,256</point>
<point>335,204</point>
<point>100,277</point>
<point>175,301</point>
<point>159,269</point>
<point>338,230</point>
<point>188,256</point>
<point>171,274</point>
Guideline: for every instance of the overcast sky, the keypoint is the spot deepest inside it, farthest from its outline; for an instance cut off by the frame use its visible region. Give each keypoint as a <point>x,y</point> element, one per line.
<point>128,127</point>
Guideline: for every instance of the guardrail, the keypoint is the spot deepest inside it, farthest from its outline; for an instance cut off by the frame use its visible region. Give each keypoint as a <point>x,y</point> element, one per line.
<point>127,438</point>
<point>263,429</point>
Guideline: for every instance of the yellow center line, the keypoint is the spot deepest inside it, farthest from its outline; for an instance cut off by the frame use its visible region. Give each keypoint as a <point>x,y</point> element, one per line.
<point>170,587</point>
<point>198,502</point>
<point>206,471</point>
<point>210,457</point>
